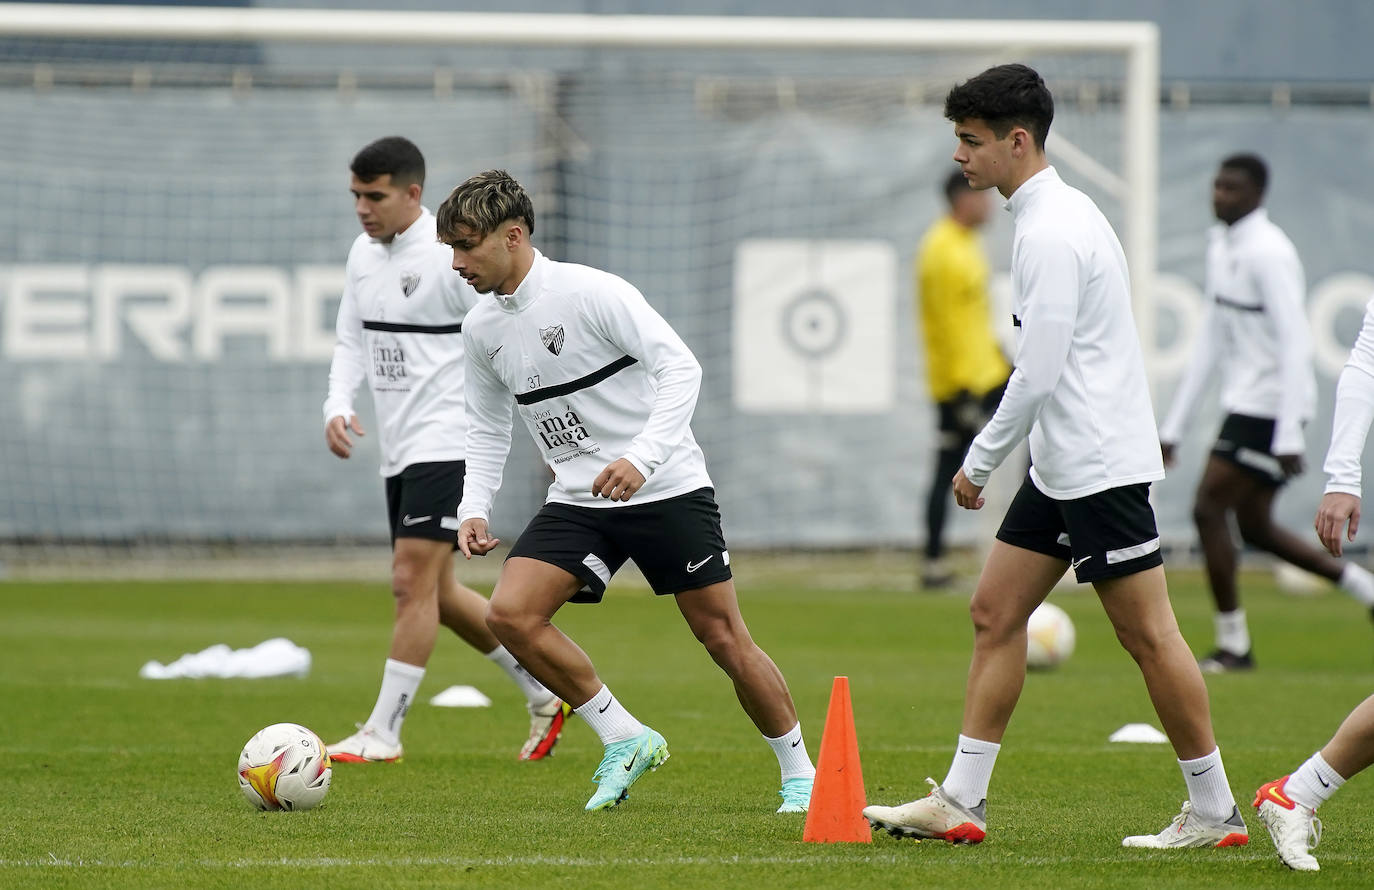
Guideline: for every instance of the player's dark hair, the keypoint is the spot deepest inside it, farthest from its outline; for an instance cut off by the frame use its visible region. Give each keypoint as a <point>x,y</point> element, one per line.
<point>395,155</point>
<point>482,203</point>
<point>1005,96</point>
<point>1252,166</point>
<point>955,183</point>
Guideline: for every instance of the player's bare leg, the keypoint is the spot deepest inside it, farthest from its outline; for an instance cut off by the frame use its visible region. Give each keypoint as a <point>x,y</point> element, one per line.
<point>1014,581</point>
<point>1214,501</point>
<point>713,614</point>
<point>464,611</point>
<point>1140,612</point>
<point>520,616</point>
<point>521,612</point>
<point>415,567</point>
<point>714,617</point>
<point>1288,805</point>
<point>1254,515</point>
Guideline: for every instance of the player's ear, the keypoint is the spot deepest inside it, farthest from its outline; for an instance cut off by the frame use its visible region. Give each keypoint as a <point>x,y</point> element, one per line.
<point>413,192</point>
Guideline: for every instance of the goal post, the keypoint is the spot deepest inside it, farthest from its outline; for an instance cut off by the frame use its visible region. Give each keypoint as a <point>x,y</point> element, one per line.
<point>180,217</point>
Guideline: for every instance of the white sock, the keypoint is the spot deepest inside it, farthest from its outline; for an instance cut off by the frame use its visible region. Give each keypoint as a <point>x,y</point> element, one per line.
<point>969,774</point>
<point>1358,581</point>
<point>535,693</point>
<point>400,681</point>
<point>790,749</point>
<point>1313,783</point>
<point>608,718</point>
<point>1233,634</point>
<point>1207,786</point>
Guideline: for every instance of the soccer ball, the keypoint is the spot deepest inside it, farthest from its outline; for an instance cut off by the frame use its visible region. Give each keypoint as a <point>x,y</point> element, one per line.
<point>1049,636</point>
<point>284,767</point>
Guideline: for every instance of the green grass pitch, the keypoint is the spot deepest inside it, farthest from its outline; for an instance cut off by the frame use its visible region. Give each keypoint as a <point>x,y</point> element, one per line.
<point>113,781</point>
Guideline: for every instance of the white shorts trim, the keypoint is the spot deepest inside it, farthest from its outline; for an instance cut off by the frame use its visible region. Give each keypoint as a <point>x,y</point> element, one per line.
<point>1126,554</point>
<point>593,562</point>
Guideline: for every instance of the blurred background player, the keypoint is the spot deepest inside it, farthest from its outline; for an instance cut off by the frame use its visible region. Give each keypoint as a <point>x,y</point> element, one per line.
<point>1079,390</point>
<point>965,368</point>
<point>606,389</point>
<point>400,327</point>
<point>1287,806</point>
<point>1255,329</point>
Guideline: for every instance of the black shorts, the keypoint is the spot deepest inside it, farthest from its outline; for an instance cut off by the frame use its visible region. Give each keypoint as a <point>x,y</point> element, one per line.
<point>1109,534</point>
<point>422,501</point>
<point>677,543</point>
<point>1248,443</point>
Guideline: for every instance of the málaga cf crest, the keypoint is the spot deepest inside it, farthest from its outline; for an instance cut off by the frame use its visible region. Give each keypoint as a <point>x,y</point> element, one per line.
<point>409,281</point>
<point>553,338</point>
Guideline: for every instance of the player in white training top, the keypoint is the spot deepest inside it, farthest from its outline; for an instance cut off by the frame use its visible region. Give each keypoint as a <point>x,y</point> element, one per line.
<point>1079,391</point>
<point>1255,337</point>
<point>400,328</point>
<point>606,389</point>
<point>1287,806</point>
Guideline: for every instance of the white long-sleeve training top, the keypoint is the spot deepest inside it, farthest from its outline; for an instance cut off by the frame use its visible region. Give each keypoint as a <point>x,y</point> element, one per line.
<point>1255,329</point>
<point>1079,387</point>
<point>400,327</point>
<point>595,373</point>
<point>1354,412</point>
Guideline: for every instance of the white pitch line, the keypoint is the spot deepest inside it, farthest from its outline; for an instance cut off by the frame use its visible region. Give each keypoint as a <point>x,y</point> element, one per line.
<point>906,856</point>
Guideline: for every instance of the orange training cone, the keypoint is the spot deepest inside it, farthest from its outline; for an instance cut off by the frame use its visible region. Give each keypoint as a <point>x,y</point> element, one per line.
<point>837,799</point>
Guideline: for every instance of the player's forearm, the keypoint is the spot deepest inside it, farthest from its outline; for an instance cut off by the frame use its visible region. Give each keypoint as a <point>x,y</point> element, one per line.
<point>1349,429</point>
<point>1190,385</point>
<point>1295,372</point>
<point>346,373</point>
<point>1009,426</point>
<point>678,385</point>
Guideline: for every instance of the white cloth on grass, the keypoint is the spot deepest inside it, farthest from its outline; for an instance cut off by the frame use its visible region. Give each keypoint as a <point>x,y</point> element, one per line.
<point>277,657</point>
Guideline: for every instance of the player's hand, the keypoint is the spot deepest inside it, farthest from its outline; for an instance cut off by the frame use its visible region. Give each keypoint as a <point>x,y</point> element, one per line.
<point>474,539</point>
<point>966,494</point>
<point>1337,508</point>
<point>1291,465</point>
<point>336,434</point>
<point>1166,450</point>
<point>618,481</point>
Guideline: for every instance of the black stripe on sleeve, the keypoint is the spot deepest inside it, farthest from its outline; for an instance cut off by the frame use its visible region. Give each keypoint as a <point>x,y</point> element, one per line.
<point>398,328</point>
<point>1243,307</point>
<point>563,389</point>
<point>1015,322</point>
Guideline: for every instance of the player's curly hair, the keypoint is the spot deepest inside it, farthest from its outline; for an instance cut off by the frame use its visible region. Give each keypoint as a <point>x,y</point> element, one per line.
<point>482,203</point>
<point>1005,96</point>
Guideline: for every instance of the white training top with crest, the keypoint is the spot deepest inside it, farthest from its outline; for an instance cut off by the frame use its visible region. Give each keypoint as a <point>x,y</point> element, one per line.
<point>400,326</point>
<point>1079,387</point>
<point>1255,326</point>
<point>596,375</point>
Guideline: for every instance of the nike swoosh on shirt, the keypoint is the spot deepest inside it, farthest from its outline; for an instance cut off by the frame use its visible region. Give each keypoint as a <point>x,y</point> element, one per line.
<point>491,353</point>
<point>414,520</point>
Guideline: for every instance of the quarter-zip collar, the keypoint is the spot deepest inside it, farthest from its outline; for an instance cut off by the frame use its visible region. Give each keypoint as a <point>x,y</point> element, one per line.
<point>1242,228</point>
<point>422,228</point>
<point>1028,190</point>
<point>527,291</point>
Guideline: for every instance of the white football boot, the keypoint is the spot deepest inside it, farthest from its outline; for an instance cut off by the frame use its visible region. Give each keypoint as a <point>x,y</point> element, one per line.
<point>1295,829</point>
<point>546,725</point>
<point>366,746</point>
<point>936,815</point>
<point>1190,830</point>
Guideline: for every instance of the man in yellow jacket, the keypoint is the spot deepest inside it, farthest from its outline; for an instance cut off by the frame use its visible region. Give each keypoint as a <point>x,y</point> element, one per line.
<point>965,367</point>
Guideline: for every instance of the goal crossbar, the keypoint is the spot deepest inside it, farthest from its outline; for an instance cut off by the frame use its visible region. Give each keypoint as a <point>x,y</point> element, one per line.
<point>1138,42</point>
